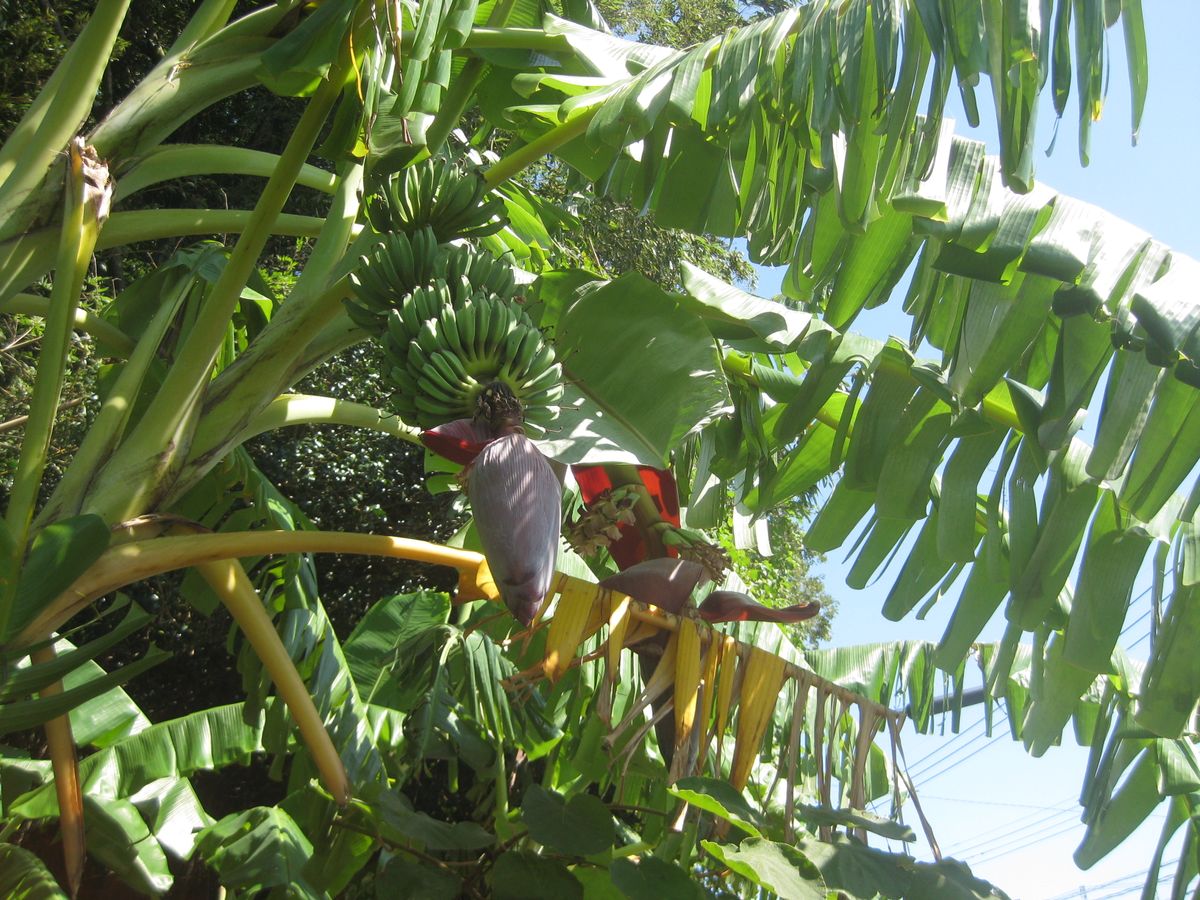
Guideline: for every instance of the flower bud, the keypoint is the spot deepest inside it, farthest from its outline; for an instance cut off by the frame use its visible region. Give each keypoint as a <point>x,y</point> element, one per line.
<point>459,441</point>
<point>517,504</point>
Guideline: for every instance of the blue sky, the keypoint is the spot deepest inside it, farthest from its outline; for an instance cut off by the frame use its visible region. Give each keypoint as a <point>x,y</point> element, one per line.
<point>1014,818</point>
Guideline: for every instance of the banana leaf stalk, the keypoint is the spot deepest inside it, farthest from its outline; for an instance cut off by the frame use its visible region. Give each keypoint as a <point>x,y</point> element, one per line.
<point>65,762</point>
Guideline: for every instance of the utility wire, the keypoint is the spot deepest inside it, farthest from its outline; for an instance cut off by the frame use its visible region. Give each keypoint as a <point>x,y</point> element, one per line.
<point>1139,875</point>
<point>1021,823</point>
<point>1138,879</point>
<point>1032,838</point>
<point>1041,807</point>
<point>1128,628</point>
<point>1035,837</point>
<point>920,768</point>
<point>920,773</point>
<point>962,759</point>
<point>947,746</point>
<point>984,842</point>
<point>961,753</point>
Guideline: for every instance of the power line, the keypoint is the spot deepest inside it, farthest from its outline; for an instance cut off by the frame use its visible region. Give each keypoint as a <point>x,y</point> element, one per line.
<point>946,747</point>
<point>954,765</point>
<point>1014,826</point>
<point>962,755</point>
<point>1128,628</point>
<point>983,843</point>
<point>1138,879</point>
<point>920,772</point>
<point>1038,806</point>
<point>920,769</point>
<point>1032,838</point>
<point>1138,876</point>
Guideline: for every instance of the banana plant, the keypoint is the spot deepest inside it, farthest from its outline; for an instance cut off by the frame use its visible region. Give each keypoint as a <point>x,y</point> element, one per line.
<point>804,133</point>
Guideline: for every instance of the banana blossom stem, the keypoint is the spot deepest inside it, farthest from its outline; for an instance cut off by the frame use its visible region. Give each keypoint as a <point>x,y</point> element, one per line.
<point>213,556</point>
<point>308,409</point>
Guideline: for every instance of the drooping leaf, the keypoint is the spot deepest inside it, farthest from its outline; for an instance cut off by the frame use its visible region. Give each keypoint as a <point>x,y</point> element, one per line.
<point>389,634</point>
<point>652,878</point>
<point>580,826</point>
<point>864,872</point>
<point>853,818</point>
<point>24,877</point>
<point>28,713</point>
<point>779,868</point>
<point>119,837</point>
<point>259,849</point>
<point>734,315</point>
<point>59,554</point>
<point>719,798</point>
<point>207,739</point>
<point>400,821</point>
<point>403,877</point>
<point>297,63</point>
<point>523,875</point>
<point>609,365</point>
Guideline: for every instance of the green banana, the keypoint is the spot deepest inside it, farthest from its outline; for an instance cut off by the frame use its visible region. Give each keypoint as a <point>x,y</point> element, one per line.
<point>502,323</point>
<point>531,341</point>
<point>483,312</point>
<point>465,320</point>
<point>433,384</point>
<point>448,331</point>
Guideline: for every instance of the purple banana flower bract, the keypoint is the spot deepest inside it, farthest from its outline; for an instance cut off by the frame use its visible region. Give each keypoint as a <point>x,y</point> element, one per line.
<point>517,503</point>
<point>665,582</point>
<point>733,606</point>
<point>459,441</point>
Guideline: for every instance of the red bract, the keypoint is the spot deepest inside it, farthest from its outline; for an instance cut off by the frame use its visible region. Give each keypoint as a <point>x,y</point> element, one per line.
<point>630,548</point>
<point>459,441</point>
<point>732,606</point>
<point>666,583</point>
<point>517,503</point>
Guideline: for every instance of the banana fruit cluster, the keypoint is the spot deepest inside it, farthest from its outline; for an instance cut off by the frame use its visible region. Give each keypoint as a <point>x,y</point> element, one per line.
<point>447,319</point>
<point>438,194</point>
<point>399,263</point>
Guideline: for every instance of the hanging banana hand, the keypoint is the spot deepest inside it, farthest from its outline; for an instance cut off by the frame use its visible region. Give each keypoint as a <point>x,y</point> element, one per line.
<point>445,314</point>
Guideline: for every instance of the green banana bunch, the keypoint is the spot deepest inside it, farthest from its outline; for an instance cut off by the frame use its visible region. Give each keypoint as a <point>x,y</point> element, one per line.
<point>439,194</point>
<point>446,314</point>
<point>400,266</point>
<point>459,264</point>
<point>443,365</point>
<point>389,273</point>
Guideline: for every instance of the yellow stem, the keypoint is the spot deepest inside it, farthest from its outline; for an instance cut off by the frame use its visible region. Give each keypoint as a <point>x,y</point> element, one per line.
<point>65,763</point>
<point>127,563</point>
<point>229,582</point>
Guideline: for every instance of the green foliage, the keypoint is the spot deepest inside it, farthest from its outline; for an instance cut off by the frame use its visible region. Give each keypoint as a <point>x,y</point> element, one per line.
<point>24,877</point>
<point>782,578</point>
